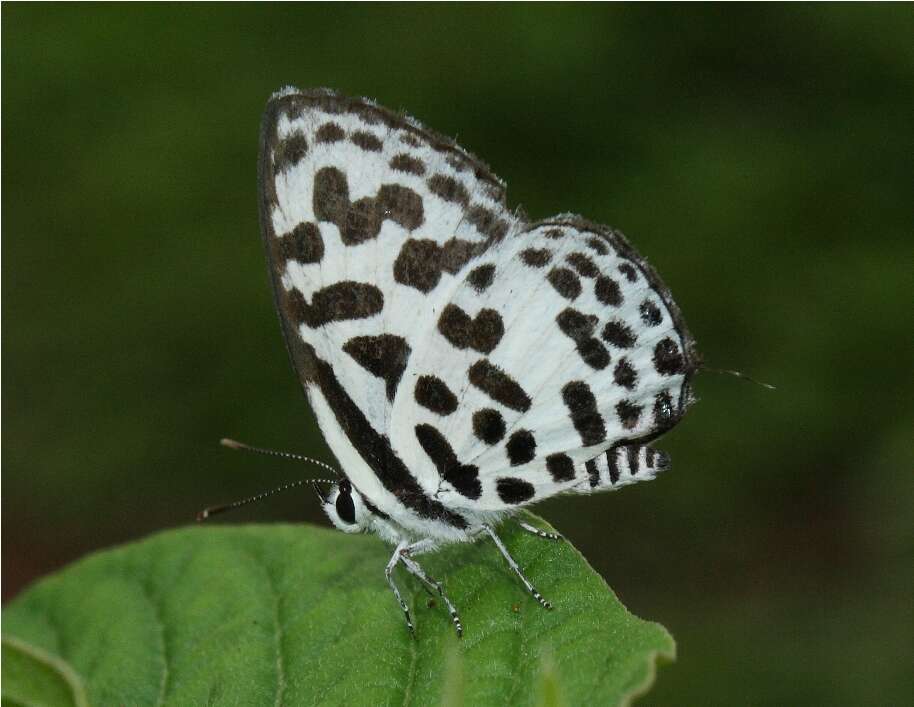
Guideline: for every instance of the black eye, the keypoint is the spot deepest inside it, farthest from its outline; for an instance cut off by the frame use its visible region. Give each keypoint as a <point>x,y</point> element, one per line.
<point>345,508</point>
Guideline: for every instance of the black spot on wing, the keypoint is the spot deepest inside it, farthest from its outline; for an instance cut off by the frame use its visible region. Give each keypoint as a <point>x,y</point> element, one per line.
<point>384,356</point>
<point>366,141</point>
<point>554,233</point>
<point>487,222</point>
<point>329,132</point>
<point>361,221</point>
<point>668,359</point>
<point>338,302</point>
<point>607,291</point>
<point>560,467</point>
<point>463,477</point>
<point>481,277</point>
<point>331,195</point>
<point>421,262</point>
<point>437,447</point>
<point>408,164</point>
<point>514,491</point>
<point>521,447</point>
<point>598,246</point>
<point>302,244</point>
<point>448,189</point>
<point>584,266</point>
<point>418,264</point>
<point>664,416</point>
<point>624,374</point>
<point>619,334</point>
<point>432,393</point>
<point>650,313</point>
<point>613,464</point>
<point>481,333</point>
<point>579,328</point>
<point>627,269</point>
<point>488,426</point>
<point>565,282</point>
<point>401,205</point>
<point>593,473</point>
<point>582,405</point>
<point>456,252</point>
<point>536,257</point>
<point>465,480</point>
<point>628,413</point>
<point>290,152</point>
<point>498,385</point>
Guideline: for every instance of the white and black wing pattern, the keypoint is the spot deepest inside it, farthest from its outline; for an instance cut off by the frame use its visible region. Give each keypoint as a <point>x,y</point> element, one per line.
<point>557,357</point>
<point>459,360</point>
<point>369,222</point>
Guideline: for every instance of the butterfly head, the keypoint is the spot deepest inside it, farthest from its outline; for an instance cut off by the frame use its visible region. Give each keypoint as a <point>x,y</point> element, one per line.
<point>343,505</point>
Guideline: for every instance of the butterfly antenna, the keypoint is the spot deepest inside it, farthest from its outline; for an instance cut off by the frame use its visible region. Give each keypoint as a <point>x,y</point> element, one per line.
<point>213,510</point>
<point>233,444</point>
<point>738,374</point>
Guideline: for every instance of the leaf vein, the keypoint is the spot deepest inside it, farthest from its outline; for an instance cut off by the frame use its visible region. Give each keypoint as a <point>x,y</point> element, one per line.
<point>163,648</point>
<point>279,635</point>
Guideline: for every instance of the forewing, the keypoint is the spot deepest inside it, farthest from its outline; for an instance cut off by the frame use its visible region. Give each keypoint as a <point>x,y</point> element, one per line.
<point>367,218</point>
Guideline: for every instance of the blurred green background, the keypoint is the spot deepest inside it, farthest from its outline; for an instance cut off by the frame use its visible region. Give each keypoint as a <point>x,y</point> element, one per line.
<point>761,157</point>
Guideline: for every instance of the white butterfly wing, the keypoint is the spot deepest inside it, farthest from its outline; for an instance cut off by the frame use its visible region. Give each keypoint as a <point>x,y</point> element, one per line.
<point>457,358</point>
<point>570,347</point>
<point>367,218</point>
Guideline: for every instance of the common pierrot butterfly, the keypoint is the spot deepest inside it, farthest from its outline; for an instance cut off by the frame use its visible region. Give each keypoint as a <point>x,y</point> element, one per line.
<point>463,362</point>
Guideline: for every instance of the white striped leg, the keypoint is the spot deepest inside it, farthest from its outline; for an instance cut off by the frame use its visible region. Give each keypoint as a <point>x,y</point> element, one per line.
<point>421,547</point>
<point>388,572</point>
<point>539,533</point>
<point>418,548</point>
<point>416,570</point>
<point>513,565</point>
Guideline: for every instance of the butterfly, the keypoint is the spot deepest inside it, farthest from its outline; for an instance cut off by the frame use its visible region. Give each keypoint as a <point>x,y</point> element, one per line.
<point>462,361</point>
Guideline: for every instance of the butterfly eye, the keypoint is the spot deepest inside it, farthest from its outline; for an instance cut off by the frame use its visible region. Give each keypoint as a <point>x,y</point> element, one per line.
<point>345,508</point>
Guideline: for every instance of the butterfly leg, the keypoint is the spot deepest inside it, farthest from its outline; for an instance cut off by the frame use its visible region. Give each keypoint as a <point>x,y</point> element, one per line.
<point>514,566</point>
<point>539,533</point>
<point>418,548</point>
<point>388,572</point>
<point>416,570</point>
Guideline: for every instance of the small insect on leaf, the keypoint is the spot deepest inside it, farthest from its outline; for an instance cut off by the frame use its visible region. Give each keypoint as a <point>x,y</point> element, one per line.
<point>412,297</point>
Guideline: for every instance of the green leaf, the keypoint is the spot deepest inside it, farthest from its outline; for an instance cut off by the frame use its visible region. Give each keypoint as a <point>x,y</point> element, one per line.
<point>33,677</point>
<point>301,615</point>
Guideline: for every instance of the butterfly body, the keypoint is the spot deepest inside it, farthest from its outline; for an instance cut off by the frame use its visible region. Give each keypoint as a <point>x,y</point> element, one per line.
<point>462,362</point>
